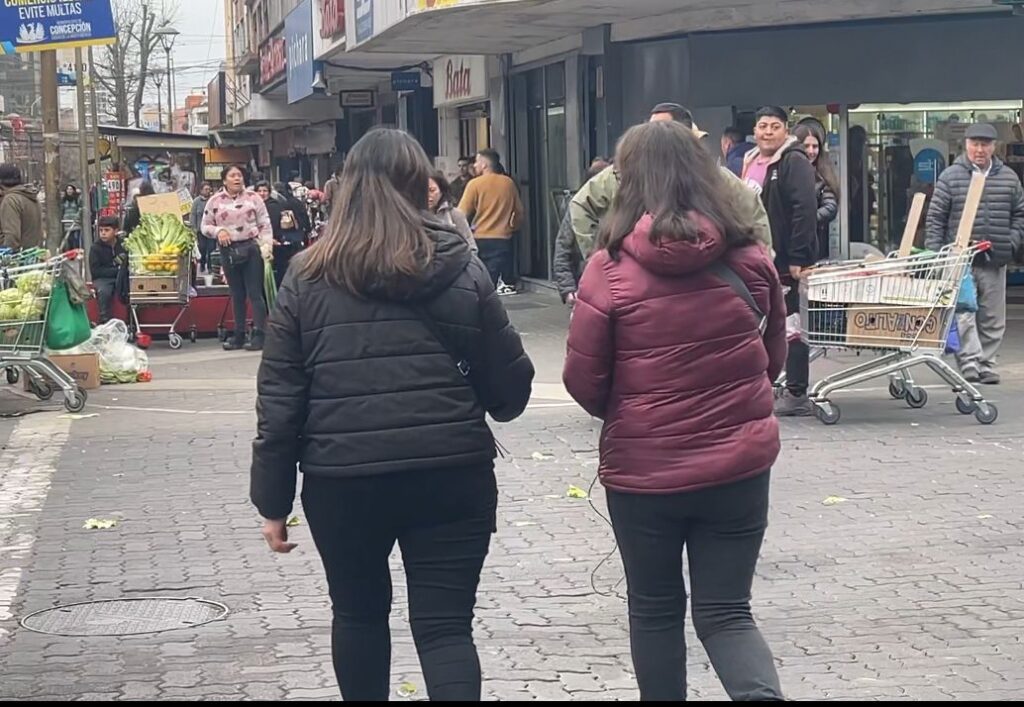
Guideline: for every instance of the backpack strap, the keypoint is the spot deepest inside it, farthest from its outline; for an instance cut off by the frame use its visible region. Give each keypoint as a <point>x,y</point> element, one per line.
<point>726,273</point>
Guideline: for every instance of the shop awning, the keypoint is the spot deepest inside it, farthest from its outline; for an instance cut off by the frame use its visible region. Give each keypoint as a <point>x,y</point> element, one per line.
<point>137,137</point>
<point>502,26</point>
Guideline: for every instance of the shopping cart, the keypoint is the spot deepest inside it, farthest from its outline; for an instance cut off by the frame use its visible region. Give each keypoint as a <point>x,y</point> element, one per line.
<point>902,309</point>
<point>160,280</point>
<point>23,317</point>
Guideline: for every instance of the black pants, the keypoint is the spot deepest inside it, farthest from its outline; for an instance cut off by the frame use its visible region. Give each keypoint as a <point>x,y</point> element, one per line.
<point>721,529</point>
<point>283,255</point>
<point>105,288</point>
<point>496,254</point>
<point>798,361</point>
<point>246,284</point>
<point>443,521</point>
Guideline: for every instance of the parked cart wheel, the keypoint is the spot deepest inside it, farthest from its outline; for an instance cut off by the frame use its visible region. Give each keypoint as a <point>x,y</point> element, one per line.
<point>174,341</point>
<point>917,398</point>
<point>897,389</point>
<point>222,334</point>
<point>965,406</point>
<point>13,375</point>
<point>987,413</point>
<point>193,334</point>
<point>41,389</point>
<point>75,402</point>
<point>828,413</point>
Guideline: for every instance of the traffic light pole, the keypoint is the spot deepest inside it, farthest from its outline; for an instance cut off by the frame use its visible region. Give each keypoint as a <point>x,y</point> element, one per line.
<point>51,147</point>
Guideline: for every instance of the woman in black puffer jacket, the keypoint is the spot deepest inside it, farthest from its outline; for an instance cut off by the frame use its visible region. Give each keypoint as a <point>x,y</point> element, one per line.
<point>360,388</point>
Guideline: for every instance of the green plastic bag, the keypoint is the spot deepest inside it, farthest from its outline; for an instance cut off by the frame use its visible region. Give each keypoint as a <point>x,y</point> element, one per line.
<point>269,285</point>
<point>67,324</point>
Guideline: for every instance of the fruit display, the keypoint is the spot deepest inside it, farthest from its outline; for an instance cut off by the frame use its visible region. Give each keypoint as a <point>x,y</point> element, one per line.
<point>158,243</point>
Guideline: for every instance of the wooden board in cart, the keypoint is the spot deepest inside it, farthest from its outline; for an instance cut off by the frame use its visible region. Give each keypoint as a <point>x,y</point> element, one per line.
<point>154,284</point>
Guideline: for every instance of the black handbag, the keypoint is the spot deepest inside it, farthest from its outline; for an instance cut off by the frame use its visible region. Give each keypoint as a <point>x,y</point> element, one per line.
<point>237,253</point>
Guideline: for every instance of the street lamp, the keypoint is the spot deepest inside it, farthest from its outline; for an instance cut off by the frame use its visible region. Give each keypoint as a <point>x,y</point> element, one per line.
<point>167,35</point>
<point>158,79</point>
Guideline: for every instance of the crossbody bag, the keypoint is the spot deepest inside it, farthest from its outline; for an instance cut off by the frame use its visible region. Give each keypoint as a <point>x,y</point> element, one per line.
<point>734,281</point>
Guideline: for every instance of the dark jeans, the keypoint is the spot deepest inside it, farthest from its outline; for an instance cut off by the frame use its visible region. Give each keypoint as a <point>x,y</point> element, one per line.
<point>798,361</point>
<point>721,529</point>
<point>442,521</point>
<point>105,288</point>
<point>496,254</point>
<point>206,246</point>
<point>246,283</point>
<point>283,255</point>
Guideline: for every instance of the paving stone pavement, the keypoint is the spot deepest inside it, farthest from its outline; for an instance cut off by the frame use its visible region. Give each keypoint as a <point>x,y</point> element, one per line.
<point>909,587</point>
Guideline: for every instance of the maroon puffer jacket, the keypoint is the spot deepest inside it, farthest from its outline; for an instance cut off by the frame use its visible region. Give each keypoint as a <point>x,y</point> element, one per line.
<point>670,357</point>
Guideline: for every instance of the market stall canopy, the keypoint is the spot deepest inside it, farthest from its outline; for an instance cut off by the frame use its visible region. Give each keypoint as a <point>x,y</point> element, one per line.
<point>138,137</point>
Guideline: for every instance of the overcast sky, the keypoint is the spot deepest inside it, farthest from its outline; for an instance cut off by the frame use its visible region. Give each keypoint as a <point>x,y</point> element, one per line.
<point>199,48</point>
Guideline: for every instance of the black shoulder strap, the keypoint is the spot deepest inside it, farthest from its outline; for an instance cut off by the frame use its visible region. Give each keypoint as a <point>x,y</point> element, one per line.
<point>734,281</point>
<point>431,324</point>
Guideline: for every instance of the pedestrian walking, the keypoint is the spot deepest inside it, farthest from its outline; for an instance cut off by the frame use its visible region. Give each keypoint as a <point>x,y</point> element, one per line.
<point>568,262</point>
<point>1000,221</point>
<point>459,184</point>
<point>133,216</point>
<point>195,221</point>
<point>778,170</point>
<point>440,201</point>
<point>386,349</point>
<point>331,188</point>
<point>734,149</point>
<point>666,347</point>
<point>290,221</point>
<point>238,220</point>
<point>593,201</point>
<point>826,184</point>
<point>492,204</point>
<point>21,214</point>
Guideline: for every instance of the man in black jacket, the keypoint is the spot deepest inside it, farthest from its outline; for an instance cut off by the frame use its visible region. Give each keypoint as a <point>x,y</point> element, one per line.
<point>106,259</point>
<point>1000,221</point>
<point>779,170</point>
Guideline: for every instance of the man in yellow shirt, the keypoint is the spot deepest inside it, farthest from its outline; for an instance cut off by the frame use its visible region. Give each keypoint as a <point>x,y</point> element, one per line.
<point>491,203</point>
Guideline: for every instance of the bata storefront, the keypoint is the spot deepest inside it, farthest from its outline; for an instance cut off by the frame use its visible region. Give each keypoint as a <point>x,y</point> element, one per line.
<point>462,100</point>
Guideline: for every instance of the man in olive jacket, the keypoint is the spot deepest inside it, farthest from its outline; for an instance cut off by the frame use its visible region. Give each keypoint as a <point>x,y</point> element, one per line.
<point>595,199</point>
<point>21,217</point>
<point>1000,221</point>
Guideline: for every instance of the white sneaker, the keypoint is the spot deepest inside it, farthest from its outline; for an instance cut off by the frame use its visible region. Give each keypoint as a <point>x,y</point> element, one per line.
<point>505,290</point>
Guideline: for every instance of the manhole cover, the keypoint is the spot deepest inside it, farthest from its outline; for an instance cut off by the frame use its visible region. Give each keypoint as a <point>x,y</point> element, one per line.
<point>124,617</point>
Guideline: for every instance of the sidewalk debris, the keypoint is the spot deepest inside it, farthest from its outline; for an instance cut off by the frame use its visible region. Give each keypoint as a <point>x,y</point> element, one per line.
<point>100,524</point>
<point>576,492</point>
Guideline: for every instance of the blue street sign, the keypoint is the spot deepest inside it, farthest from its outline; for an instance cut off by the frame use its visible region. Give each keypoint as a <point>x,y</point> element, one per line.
<point>298,37</point>
<point>364,20</point>
<point>54,24</point>
<point>405,81</point>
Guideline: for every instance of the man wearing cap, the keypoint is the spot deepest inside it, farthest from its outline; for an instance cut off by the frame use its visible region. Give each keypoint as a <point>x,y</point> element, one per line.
<point>594,200</point>
<point>1000,221</point>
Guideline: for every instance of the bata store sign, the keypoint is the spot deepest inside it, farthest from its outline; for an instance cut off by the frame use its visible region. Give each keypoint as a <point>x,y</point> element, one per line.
<point>460,79</point>
<point>273,61</point>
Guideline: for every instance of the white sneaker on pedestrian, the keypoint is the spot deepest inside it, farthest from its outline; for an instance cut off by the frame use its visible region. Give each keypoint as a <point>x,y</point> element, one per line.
<point>504,290</point>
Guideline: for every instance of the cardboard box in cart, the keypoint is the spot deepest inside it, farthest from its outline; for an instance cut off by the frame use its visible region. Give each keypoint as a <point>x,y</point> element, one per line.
<point>895,328</point>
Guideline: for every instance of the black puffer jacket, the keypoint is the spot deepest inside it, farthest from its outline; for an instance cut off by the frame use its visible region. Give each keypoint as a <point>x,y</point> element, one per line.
<point>1000,216</point>
<point>353,387</point>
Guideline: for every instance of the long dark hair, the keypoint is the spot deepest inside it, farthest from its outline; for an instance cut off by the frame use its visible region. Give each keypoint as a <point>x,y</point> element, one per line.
<point>443,186</point>
<point>665,172</point>
<point>823,166</point>
<point>376,238</point>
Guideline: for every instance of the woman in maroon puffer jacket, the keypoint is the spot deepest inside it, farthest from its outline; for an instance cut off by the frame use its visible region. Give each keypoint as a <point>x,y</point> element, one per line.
<point>671,357</point>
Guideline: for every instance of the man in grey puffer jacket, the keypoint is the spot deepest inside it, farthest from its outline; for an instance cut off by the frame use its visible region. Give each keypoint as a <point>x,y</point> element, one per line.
<point>1001,221</point>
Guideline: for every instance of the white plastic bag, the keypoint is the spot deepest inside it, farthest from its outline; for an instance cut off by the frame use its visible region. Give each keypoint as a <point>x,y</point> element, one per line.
<point>120,362</point>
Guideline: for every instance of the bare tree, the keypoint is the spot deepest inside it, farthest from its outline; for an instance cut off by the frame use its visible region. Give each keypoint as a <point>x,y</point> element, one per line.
<point>124,68</point>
